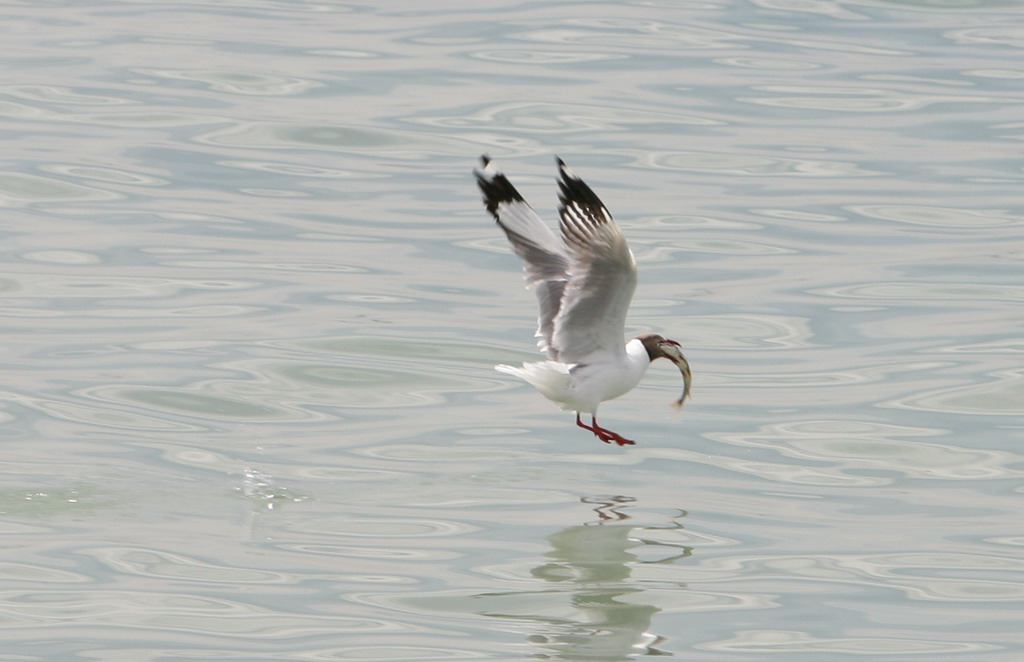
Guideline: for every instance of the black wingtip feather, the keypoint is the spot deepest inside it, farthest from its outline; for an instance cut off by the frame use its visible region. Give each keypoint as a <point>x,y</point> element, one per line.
<point>495,187</point>
<point>573,191</point>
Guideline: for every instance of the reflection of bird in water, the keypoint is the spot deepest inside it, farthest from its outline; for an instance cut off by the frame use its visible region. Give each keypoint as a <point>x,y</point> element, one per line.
<point>594,562</point>
<point>581,614</point>
<point>610,507</point>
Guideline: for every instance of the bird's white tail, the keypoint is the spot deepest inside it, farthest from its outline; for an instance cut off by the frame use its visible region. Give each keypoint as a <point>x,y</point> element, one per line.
<point>551,378</point>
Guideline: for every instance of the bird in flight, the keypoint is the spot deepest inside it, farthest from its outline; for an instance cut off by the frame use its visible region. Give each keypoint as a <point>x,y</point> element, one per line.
<point>584,282</point>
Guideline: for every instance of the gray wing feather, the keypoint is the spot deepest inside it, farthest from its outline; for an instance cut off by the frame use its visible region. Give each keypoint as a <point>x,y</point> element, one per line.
<point>602,275</point>
<point>546,260</point>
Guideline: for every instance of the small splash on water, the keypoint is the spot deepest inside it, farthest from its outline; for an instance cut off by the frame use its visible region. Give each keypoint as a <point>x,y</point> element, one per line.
<point>261,488</point>
<point>51,502</point>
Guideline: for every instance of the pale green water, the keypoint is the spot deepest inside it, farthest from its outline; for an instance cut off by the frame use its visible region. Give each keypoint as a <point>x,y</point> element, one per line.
<point>250,304</point>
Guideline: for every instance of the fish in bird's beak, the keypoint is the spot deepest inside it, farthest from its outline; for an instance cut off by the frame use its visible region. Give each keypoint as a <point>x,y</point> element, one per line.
<point>670,350</point>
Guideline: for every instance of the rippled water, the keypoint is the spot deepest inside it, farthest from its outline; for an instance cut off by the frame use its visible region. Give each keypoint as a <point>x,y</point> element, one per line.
<point>250,305</point>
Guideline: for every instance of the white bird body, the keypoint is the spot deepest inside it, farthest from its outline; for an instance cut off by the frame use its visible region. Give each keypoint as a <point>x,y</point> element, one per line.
<point>584,283</point>
<point>583,386</point>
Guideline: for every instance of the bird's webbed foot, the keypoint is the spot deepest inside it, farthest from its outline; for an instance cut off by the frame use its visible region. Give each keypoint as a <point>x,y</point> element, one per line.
<point>604,434</point>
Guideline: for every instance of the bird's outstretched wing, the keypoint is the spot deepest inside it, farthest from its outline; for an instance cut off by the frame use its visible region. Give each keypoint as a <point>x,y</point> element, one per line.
<point>547,261</point>
<point>602,275</point>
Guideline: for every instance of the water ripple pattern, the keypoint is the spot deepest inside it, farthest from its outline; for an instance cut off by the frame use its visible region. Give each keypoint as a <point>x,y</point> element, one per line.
<point>250,305</point>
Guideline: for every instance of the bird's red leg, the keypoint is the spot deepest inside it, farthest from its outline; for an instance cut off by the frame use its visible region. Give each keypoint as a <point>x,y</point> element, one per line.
<point>583,425</point>
<point>604,434</point>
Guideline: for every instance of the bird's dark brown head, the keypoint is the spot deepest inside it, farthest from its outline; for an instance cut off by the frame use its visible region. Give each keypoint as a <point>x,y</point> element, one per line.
<point>659,347</point>
<point>654,344</point>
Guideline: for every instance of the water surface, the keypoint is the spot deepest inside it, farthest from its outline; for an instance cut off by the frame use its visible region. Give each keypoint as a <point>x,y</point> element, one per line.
<point>250,304</point>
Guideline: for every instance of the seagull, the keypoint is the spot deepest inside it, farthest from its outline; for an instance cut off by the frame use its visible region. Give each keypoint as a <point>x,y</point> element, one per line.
<point>584,282</point>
